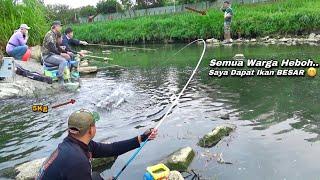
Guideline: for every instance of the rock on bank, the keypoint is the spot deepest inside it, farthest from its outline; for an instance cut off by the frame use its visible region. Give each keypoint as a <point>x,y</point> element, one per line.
<point>22,86</point>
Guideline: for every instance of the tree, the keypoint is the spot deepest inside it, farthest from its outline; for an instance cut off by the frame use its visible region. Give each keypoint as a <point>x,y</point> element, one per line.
<point>108,6</point>
<point>60,12</point>
<point>145,4</point>
<point>127,5</point>
<point>87,11</point>
<point>186,1</point>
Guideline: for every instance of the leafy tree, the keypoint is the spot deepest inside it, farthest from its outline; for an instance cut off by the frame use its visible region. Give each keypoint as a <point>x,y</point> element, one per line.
<point>144,4</point>
<point>61,12</point>
<point>87,11</point>
<point>127,4</point>
<point>108,6</point>
<point>186,1</point>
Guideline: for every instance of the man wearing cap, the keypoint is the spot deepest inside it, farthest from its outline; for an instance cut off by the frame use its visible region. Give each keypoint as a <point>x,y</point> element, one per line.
<point>228,13</point>
<point>72,158</point>
<point>67,41</point>
<point>17,44</point>
<point>50,53</point>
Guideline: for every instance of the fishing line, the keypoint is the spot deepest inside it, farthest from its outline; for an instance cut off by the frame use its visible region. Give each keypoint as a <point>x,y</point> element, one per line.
<point>171,107</point>
<point>118,46</point>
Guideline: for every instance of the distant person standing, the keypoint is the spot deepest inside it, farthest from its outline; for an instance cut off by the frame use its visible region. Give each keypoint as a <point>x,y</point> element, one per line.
<point>68,41</point>
<point>228,13</point>
<point>17,44</point>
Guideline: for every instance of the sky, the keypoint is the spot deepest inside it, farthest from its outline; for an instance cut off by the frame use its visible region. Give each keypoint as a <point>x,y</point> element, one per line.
<point>73,3</point>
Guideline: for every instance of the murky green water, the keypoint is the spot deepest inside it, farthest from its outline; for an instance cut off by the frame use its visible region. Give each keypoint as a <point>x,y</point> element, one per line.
<point>277,119</point>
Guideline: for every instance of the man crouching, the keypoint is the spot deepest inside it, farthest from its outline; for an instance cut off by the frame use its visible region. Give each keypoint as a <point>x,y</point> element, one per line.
<point>72,158</point>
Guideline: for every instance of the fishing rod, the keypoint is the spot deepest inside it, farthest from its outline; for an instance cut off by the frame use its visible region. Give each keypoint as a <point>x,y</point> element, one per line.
<point>171,107</point>
<point>98,57</point>
<point>197,11</point>
<point>117,46</point>
<point>72,101</point>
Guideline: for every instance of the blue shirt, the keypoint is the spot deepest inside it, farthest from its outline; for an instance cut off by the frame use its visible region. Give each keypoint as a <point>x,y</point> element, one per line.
<point>68,42</point>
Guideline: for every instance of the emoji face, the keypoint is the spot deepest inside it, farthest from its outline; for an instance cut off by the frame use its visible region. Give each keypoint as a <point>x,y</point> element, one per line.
<point>312,72</point>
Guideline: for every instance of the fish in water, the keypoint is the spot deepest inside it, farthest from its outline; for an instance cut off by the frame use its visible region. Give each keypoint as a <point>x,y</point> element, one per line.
<point>116,98</point>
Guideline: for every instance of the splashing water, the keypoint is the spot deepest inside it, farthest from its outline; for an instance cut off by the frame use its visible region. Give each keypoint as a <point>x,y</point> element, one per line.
<point>119,95</point>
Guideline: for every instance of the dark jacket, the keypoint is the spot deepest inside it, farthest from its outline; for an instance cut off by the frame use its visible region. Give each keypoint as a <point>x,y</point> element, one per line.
<point>72,159</point>
<point>68,42</point>
<point>49,46</point>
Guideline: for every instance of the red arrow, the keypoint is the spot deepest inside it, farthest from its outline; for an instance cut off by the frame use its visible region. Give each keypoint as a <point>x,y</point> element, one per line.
<point>72,101</point>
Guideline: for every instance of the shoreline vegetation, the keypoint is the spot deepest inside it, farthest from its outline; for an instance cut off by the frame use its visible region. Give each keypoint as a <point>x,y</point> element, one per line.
<point>281,18</point>
<point>285,18</point>
<point>31,12</point>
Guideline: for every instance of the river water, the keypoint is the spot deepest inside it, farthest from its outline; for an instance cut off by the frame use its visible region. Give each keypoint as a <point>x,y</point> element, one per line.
<point>277,119</point>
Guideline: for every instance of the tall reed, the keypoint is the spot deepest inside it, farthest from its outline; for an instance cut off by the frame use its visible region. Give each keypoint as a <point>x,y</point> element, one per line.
<point>30,12</point>
<point>251,20</point>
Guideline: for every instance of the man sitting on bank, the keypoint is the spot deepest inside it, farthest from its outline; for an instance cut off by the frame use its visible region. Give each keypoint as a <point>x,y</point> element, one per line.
<point>17,44</point>
<point>68,41</point>
<point>50,52</point>
<point>72,159</point>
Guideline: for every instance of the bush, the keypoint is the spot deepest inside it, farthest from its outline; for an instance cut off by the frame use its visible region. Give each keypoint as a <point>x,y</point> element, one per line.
<point>108,6</point>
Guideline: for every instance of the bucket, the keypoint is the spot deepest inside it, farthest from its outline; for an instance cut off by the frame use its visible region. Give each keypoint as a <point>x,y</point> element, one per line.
<point>26,55</point>
<point>157,172</point>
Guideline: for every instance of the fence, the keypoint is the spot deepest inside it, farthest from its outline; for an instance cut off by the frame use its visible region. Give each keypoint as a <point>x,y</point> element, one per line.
<point>163,10</point>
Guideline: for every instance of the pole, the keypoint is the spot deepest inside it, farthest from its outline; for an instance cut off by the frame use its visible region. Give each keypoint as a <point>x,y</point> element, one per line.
<point>169,110</point>
<point>117,46</point>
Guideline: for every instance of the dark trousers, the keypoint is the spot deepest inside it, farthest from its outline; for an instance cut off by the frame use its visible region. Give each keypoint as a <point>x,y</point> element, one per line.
<point>58,61</point>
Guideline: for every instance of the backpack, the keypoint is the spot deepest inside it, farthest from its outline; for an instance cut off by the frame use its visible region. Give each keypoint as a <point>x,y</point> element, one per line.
<point>32,75</point>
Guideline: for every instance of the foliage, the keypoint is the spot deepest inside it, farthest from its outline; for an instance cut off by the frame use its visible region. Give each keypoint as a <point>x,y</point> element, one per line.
<point>127,4</point>
<point>30,12</point>
<point>145,4</point>
<point>250,20</point>
<point>108,6</point>
<point>61,12</point>
<point>87,11</point>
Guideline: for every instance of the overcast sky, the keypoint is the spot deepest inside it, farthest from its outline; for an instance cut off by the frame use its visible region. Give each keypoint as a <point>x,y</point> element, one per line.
<point>73,3</point>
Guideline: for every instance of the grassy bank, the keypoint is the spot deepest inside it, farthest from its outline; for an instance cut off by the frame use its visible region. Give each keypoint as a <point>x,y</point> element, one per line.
<point>253,20</point>
<point>31,13</point>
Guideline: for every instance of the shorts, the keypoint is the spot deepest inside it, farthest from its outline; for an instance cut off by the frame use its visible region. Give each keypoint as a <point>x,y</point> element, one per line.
<point>227,27</point>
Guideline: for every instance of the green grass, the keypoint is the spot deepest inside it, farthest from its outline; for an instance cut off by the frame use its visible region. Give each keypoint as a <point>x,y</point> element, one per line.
<point>31,13</point>
<point>286,17</point>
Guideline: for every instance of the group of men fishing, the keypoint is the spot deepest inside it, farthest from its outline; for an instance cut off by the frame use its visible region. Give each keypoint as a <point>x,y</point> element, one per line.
<point>56,49</point>
<point>72,158</point>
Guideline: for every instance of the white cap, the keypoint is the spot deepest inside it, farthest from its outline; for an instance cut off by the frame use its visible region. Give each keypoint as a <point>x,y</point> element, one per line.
<point>24,26</point>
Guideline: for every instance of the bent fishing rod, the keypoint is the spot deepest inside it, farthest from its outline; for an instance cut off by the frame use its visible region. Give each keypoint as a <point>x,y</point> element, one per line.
<point>169,110</point>
<point>118,46</point>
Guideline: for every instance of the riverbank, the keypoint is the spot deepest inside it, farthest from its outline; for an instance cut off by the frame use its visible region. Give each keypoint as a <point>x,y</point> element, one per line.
<point>281,18</point>
<point>311,39</point>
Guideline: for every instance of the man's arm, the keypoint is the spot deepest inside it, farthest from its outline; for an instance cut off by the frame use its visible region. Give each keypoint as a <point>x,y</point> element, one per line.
<point>22,40</point>
<point>75,42</point>
<point>65,42</point>
<point>113,149</point>
<point>52,48</point>
<point>229,13</point>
